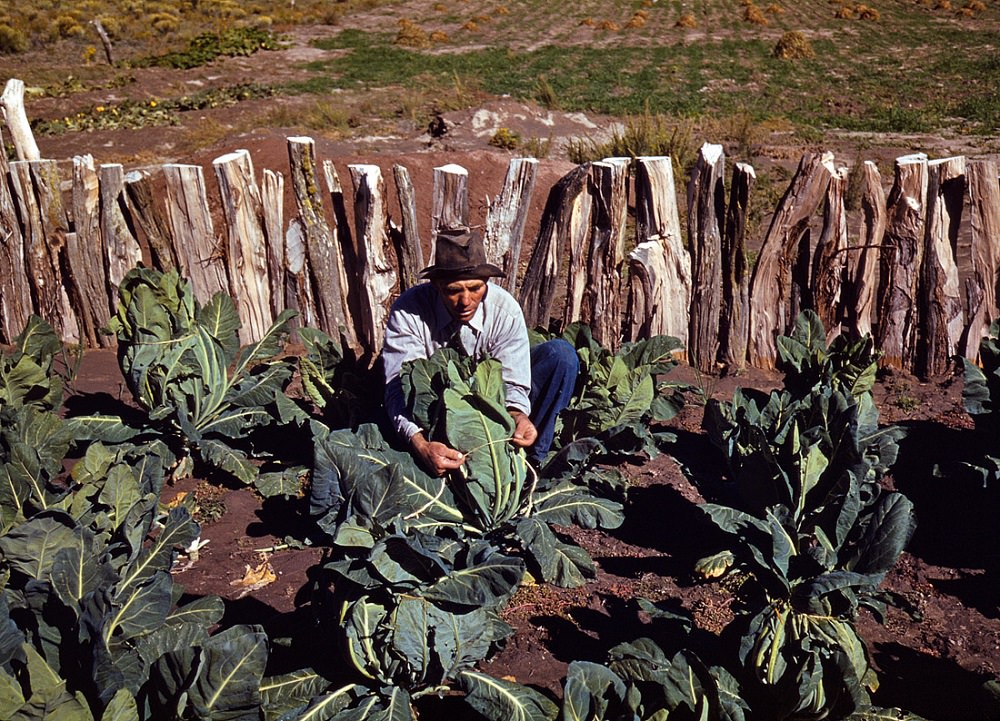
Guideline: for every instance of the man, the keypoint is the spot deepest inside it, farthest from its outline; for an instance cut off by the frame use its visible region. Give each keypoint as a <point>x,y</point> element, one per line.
<point>460,306</point>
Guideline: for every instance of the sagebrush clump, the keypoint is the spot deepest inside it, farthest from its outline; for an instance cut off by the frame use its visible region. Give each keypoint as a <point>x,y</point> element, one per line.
<point>793,45</point>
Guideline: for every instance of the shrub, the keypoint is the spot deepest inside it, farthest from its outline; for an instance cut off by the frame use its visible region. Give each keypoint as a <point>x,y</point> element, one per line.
<point>868,13</point>
<point>774,9</point>
<point>164,23</point>
<point>942,5</point>
<point>637,20</point>
<point>589,22</point>
<point>439,36</point>
<point>502,10</point>
<point>754,16</point>
<point>411,35</point>
<point>12,41</point>
<point>505,139</point>
<point>793,45</point>
<point>686,21</point>
<point>609,25</point>
<point>844,12</point>
<point>975,6</point>
<point>66,26</point>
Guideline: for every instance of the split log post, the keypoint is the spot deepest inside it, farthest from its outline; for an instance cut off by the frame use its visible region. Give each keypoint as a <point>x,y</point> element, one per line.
<point>863,261</point>
<point>121,249</point>
<point>324,262</point>
<point>830,260</point>
<point>347,244</point>
<point>735,314</point>
<point>706,214</point>
<point>941,292</point>
<point>449,201</point>
<point>506,216</point>
<point>272,194</point>
<point>85,254</point>
<point>12,109</point>
<point>409,251</point>
<point>771,282</point>
<point>15,291</point>
<point>609,212</point>
<point>984,221</point>
<point>105,40</point>
<point>902,255</point>
<point>195,244</point>
<point>377,275</point>
<point>246,248</point>
<point>577,234</point>
<point>149,214</point>
<point>563,212</point>
<point>298,293</point>
<point>36,190</point>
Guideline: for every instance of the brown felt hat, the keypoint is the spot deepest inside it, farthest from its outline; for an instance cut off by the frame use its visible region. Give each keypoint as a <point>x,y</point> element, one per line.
<point>459,254</point>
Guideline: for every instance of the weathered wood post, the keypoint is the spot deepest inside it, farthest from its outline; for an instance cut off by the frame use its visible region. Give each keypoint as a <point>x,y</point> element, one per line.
<point>377,275</point>
<point>85,253</point>
<point>706,213</point>
<point>830,260</point>
<point>121,249</point>
<point>562,214</point>
<point>506,216</point>
<point>942,295</point>
<point>450,200</point>
<point>902,255</point>
<point>149,214</point>
<point>980,286</point>
<point>15,292</point>
<point>197,249</point>
<point>771,282</point>
<point>325,263</point>
<point>863,260</point>
<point>660,265</point>
<point>246,248</point>
<point>272,194</point>
<point>298,278</point>
<point>735,315</point>
<point>609,212</point>
<point>406,241</point>
<point>577,231</point>
<point>12,109</point>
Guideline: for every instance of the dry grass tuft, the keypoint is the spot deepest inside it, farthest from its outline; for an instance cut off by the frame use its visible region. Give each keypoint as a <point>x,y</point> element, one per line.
<point>943,5</point>
<point>754,16</point>
<point>845,12</point>
<point>793,45</point>
<point>774,9</point>
<point>637,20</point>
<point>439,36</point>
<point>686,21</point>
<point>589,22</point>
<point>471,26</point>
<point>868,13</point>
<point>609,25</point>
<point>502,10</point>
<point>411,35</point>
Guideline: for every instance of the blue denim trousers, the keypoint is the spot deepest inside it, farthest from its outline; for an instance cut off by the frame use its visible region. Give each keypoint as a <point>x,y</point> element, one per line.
<point>554,367</point>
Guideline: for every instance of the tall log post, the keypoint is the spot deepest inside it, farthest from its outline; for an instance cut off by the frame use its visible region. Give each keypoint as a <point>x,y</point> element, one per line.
<point>12,109</point>
<point>272,194</point>
<point>350,253</point>
<point>197,248</point>
<point>706,211</point>
<point>506,216</point>
<point>36,190</point>
<point>657,220</point>
<point>449,200</point>
<point>863,271</point>
<point>563,212</point>
<point>902,256</point>
<point>246,247</point>
<point>981,286</point>
<point>298,281</point>
<point>830,260</point>
<point>149,214</point>
<point>409,251</point>
<point>941,291</point>
<point>735,314</point>
<point>85,254</point>
<point>121,249</point>
<point>324,261</point>
<point>15,291</point>
<point>609,211</point>
<point>771,282</point>
<point>577,236</point>
<point>377,275</point>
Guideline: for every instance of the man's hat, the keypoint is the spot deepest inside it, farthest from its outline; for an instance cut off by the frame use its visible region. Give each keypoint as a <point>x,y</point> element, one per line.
<point>458,255</point>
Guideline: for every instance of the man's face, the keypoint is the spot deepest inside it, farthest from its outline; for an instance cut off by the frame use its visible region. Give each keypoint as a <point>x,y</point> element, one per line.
<point>462,297</point>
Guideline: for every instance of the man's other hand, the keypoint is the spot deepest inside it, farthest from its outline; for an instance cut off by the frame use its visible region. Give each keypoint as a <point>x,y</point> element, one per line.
<point>436,457</point>
<point>525,432</point>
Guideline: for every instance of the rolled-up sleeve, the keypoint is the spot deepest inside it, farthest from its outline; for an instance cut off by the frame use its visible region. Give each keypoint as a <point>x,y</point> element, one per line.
<point>403,342</point>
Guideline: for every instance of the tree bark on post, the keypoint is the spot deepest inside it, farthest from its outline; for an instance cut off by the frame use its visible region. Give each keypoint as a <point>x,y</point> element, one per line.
<point>980,287</point>
<point>902,255</point>
<point>149,214</point>
<point>378,277</point>
<point>657,220</point>
<point>506,216</point>
<point>409,251</point>
<point>272,195</point>
<point>830,260</point>
<point>450,200</point>
<point>863,261</point>
<point>609,211</point>
<point>942,294</point>
<point>12,109</point>
<point>562,214</point>
<point>577,239</point>
<point>735,315</point>
<point>771,282</point>
<point>121,249</point>
<point>15,291</point>
<point>350,258</point>
<point>246,248</point>
<point>298,279</point>
<point>324,260</point>
<point>706,211</point>
<point>195,244</point>
<point>85,254</point>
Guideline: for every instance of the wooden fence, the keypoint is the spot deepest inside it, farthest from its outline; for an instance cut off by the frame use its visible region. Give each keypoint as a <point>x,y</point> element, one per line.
<point>892,271</point>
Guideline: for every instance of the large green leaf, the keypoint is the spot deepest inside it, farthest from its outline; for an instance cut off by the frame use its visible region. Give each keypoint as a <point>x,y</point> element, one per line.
<point>592,691</point>
<point>488,582</point>
<point>32,547</point>
<point>499,700</point>
<point>558,562</point>
<point>569,504</point>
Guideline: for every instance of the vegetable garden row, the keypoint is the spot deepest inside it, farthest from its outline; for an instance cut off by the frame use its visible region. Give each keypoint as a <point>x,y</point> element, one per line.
<point>418,569</point>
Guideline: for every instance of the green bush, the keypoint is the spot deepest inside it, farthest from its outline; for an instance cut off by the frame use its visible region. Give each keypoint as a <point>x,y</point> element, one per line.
<point>12,41</point>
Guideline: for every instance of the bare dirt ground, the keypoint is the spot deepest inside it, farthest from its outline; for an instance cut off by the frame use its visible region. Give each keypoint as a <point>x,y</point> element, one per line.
<point>936,648</point>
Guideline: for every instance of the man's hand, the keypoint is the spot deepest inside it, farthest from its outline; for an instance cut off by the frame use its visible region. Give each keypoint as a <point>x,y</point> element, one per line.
<point>525,432</point>
<point>434,456</point>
